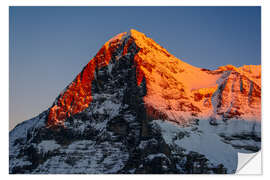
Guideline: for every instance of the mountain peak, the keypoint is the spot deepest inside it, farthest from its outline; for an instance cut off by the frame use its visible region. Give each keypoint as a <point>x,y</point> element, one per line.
<point>146,55</point>
<point>78,95</point>
<point>136,34</point>
<point>172,85</point>
<point>132,33</point>
<point>135,108</point>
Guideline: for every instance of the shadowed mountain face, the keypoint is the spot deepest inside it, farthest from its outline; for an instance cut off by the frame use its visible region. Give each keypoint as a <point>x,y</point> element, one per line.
<point>135,108</point>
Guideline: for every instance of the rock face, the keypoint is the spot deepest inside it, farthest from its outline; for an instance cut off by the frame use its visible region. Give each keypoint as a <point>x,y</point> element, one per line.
<point>135,108</point>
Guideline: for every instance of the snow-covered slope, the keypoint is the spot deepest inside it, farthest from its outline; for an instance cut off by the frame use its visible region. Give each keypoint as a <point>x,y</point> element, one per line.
<point>135,108</point>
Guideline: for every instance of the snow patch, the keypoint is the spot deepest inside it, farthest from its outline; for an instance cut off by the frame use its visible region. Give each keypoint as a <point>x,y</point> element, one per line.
<point>47,146</point>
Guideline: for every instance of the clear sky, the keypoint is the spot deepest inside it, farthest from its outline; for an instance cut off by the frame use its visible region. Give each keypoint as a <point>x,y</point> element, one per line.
<point>49,46</point>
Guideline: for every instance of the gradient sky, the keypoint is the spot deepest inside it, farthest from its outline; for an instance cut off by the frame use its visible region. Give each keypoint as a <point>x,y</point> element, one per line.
<point>49,46</point>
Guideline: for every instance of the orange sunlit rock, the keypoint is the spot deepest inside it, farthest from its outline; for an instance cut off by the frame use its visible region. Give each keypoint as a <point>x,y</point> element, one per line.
<point>176,90</point>
<point>77,96</point>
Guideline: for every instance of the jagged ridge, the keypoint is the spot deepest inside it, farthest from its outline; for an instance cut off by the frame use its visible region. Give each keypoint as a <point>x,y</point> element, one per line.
<point>173,87</point>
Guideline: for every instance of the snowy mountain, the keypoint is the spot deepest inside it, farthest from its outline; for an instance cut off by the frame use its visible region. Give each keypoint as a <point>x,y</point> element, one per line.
<point>135,108</point>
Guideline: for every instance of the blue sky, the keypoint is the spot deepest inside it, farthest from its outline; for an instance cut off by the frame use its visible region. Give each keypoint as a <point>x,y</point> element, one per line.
<point>49,46</point>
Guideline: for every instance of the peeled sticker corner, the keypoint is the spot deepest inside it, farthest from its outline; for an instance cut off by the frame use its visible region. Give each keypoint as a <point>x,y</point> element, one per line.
<point>249,163</point>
